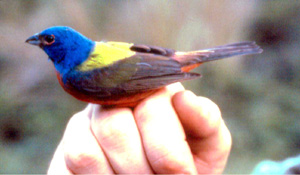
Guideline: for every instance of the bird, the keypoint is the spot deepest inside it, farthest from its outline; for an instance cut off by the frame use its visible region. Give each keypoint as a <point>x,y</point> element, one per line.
<point>120,74</point>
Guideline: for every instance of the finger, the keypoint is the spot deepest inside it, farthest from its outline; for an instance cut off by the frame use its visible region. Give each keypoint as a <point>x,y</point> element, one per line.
<point>118,135</point>
<point>207,134</point>
<point>58,164</point>
<point>83,154</point>
<point>174,88</point>
<point>163,136</point>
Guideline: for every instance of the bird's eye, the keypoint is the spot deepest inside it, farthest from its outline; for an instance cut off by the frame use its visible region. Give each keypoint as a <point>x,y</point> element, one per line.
<point>49,39</point>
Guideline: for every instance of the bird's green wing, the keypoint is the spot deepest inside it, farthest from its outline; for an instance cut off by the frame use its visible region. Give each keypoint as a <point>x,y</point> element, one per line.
<point>152,72</point>
<point>129,69</point>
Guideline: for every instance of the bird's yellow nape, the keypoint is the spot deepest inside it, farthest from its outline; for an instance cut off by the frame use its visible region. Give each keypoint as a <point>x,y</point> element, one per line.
<point>105,54</point>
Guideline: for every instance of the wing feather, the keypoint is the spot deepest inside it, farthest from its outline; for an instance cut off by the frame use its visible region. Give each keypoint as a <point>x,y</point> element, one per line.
<point>140,72</point>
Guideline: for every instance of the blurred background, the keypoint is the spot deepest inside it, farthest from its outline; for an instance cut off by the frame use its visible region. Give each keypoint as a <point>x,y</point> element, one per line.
<point>258,95</point>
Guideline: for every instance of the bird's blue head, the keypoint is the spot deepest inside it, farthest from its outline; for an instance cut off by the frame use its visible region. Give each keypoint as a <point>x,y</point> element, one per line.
<point>65,47</point>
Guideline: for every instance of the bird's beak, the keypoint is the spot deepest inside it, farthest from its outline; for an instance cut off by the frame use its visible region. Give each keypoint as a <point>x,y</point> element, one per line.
<point>34,40</point>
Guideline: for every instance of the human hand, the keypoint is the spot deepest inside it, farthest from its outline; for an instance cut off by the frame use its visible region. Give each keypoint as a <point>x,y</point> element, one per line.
<point>172,131</point>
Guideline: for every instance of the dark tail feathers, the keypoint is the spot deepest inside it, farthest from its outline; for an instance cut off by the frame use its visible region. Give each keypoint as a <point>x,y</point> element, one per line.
<point>216,53</point>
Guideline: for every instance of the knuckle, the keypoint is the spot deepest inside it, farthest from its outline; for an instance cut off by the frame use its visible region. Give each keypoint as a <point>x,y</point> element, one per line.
<point>211,113</point>
<point>79,160</point>
<point>171,164</point>
<point>110,131</point>
<point>212,106</point>
<point>114,130</point>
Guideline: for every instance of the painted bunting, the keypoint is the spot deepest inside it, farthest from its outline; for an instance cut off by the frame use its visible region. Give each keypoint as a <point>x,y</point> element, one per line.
<point>119,73</point>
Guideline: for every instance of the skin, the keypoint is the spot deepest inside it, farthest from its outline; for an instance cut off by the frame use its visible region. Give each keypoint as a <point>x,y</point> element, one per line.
<point>172,131</point>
